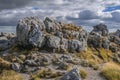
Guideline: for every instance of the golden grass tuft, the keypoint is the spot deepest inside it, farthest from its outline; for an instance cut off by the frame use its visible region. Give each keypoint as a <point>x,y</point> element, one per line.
<point>46,73</point>
<point>95,57</point>
<point>93,64</point>
<point>105,54</point>
<point>90,56</point>
<point>71,27</point>
<point>111,71</point>
<point>10,75</point>
<point>83,73</point>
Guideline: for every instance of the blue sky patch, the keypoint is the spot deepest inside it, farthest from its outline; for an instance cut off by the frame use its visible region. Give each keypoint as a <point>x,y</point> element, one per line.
<point>112,8</point>
<point>36,8</point>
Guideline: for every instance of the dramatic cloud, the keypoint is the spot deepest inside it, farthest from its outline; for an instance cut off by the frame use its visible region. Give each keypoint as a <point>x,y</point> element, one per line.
<point>80,12</point>
<point>9,4</point>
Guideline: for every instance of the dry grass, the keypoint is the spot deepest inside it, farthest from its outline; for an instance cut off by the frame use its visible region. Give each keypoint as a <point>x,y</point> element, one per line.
<point>83,74</point>
<point>71,27</point>
<point>90,55</point>
<point>4,64</point>
<point>93,64</point>
<point>111,71</point>
<point>95,57</point>
<point>105,54</point>
<point>46,73</point>
<point>10,75</point>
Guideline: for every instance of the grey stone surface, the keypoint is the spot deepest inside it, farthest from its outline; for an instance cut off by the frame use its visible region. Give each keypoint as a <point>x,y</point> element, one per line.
<point>4,43</point>
<point>115,41</point>
<point>75,45</point>
<point>64,45</point>
<point>53,42</point>
<point>98,37</point>
<point>52,26</point>
<point>117,33</point>
<point>16,66</point>
<point>72,75</point>
<point>101,29</point>
<point>30,32</point>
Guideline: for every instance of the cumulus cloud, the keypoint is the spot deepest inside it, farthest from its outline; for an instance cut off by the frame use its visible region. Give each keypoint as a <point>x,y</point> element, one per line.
<point>10,4</point>
<point>88,15</point>
<point>116,16</point>
<point>80,12</point>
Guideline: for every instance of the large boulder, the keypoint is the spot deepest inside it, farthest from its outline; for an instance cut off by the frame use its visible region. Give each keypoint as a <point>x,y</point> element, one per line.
<point>115,41</point>
<point>30,32</point>
<point>117,33</point>
<point>115,37</point>
<point>100,29</point>
<point>72,75</point>
<point>98,37</point>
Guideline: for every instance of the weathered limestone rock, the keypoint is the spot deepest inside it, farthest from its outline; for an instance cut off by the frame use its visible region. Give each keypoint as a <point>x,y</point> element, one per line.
<point>51,25</point>
<point>3,43</point>
<point>117,33</point>
<point>115,41</point>
<point>53,42</point>
<point>16,66</point>
<point>98,37</point>
<point>53,35</point>
<point>30,32</point>
<point>75,45</point>
<point>7,40</point>
<point>59,34</point>
<point>64,45</point>
<point>8,35</point>
<point>72,75</point>
<point>100,29</point>
<point>115,37</point>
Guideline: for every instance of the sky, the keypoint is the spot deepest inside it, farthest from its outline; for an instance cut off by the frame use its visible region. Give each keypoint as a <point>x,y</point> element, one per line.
<point>80,12</point>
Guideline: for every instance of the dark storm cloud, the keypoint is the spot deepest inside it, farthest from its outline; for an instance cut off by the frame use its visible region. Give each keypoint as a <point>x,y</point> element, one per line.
<point>10,4</point>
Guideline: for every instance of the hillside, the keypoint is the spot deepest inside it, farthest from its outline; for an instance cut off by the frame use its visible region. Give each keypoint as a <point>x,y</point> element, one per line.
<point>52,50</point>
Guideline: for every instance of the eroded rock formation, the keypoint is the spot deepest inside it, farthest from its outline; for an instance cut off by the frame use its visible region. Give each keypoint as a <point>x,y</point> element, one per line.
<point>51,34</point>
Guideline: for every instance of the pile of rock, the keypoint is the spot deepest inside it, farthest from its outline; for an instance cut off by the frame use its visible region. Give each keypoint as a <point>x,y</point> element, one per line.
<point>115,41</point>
<point>7,40</point>
<point>50,34</point>
<point>98,37</point>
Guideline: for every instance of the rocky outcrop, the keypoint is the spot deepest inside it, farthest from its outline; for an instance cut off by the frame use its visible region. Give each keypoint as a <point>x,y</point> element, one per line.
<point>115,41</point>
<point>75,45</point>
<point>51,34</point>
<point>100,29</point>
<point>30,32</point>
<point>98,37</point>
<point>115,37</point>
<point>72,75</point>
<point>7,40</point>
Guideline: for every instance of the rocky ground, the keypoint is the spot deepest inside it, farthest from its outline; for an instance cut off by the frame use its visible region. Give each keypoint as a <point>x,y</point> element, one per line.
<point>52,50</point>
